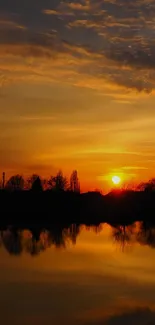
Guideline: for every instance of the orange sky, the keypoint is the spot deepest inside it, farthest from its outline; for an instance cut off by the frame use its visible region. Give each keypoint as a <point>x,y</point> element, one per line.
<point>76,93</point>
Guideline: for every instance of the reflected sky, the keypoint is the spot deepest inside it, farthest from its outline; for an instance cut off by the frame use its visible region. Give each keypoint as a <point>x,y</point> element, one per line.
<point>88,281</point>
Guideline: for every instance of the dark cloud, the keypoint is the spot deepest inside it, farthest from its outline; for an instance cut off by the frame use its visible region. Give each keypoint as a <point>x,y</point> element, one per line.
<point>137,316</point>
<point>119,31</point>
<point>140,316</point>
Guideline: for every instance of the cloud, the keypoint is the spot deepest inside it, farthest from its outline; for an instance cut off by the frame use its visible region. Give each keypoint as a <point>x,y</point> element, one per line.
<point>135,316</point>
<point>79,6</point>
<point>104,42</point>
<point>8,24</point>
<point>85,23</point>
<point>134,168</point>
<point>51,12</point>
<point>139,316</point>
<point>57,13</point>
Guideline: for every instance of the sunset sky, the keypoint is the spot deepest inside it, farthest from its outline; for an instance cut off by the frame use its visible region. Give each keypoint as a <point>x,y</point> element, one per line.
<point>77,89</point>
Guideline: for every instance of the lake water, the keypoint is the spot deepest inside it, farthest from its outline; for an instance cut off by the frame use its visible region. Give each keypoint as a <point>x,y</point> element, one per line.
<point>83,275</point>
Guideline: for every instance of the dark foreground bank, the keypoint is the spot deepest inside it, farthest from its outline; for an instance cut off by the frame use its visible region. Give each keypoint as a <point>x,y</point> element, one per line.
<point>48,207</point>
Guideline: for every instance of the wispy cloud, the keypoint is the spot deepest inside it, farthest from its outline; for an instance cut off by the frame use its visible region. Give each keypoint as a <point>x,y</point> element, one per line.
<point>79,6</point>
<point>134,168</point>
<point>57,13</point>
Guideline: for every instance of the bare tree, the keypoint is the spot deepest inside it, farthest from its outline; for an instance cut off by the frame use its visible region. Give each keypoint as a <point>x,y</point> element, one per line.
<point>74,182</point>
<point>58,182</point>
<point>15,183</point>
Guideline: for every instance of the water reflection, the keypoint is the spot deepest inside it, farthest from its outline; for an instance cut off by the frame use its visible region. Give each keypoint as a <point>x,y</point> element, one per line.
<point>123,235</point>
<point>82,275</point>
<point>138,232</point>
<point>35,241</point>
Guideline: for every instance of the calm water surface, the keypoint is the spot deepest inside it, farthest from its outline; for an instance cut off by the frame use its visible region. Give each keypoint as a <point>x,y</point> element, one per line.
<point>85,275</point>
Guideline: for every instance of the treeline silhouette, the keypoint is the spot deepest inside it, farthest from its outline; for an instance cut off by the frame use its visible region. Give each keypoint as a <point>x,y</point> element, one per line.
<point>57,182</point>
<point>35,240</point>
<point>57,201</point>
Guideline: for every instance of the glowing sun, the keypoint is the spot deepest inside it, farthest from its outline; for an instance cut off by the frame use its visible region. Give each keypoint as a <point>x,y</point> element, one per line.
<point>116,180</point>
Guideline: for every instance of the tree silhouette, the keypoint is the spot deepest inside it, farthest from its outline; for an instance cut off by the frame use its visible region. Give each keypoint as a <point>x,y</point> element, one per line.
<point>37,185</point>
<point>15,183</point>
<point>31,180</point>
<point>45,184</point>
<point>74,182</point>
<point>58,182</point>
<point>147,186</point>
